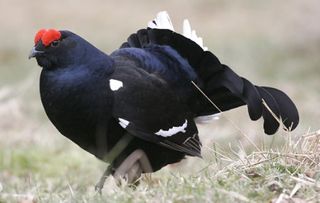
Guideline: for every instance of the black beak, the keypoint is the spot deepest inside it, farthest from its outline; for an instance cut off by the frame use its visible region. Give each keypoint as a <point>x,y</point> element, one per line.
<point>34,53</point>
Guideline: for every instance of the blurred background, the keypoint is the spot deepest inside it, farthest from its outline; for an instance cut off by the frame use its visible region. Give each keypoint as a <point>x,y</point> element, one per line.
<point>272,43</point>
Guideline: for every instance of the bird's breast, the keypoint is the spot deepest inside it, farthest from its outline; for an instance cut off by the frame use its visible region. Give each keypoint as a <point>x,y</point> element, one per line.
<point>79,107</point>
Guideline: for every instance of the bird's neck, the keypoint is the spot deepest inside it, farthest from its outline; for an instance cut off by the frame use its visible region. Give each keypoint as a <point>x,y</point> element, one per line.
<point>95,58</point>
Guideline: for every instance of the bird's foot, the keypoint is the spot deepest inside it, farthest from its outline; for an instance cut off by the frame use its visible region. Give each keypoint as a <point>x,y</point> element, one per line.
<point>130,170</point>
<point>98,187</point>
<point>133,166</point>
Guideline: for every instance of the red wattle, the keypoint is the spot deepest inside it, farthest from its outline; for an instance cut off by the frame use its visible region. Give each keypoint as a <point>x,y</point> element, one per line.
<point>50,36</point>
<point>47,36</point>
<point>39,35</point>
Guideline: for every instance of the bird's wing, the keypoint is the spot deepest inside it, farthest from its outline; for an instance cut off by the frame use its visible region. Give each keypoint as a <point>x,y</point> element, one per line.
<point>147,108</point>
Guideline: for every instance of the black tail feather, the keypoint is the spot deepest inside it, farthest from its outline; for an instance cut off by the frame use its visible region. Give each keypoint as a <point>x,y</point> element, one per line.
<point>223,86</point>
<point>253,100</point>
<point>237,86</point>
<point>288,110</point>
<point>271,124</point>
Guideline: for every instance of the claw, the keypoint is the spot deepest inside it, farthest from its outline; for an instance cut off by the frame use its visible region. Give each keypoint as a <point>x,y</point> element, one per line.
<point>98,187</point>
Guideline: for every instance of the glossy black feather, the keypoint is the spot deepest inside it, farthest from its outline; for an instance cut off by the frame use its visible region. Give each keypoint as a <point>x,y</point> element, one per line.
<point>288,110</point>
<point>153,103</point>
<point>223,86</point>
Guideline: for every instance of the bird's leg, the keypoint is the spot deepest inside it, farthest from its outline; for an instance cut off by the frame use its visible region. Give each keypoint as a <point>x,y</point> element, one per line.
<point>98,187</point>
<point>133,166</point>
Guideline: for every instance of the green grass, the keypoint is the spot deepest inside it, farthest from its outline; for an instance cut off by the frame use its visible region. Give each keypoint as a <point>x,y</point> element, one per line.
<point>290,172</point>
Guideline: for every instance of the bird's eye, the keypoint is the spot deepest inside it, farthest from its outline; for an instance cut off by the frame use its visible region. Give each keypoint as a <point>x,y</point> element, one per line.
<point>55,43</point>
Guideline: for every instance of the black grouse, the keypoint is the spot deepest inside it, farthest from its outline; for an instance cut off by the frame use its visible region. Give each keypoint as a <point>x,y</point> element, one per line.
<point>136,108</point>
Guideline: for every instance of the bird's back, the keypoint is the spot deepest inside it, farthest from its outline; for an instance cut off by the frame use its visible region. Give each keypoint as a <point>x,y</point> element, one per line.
<point>159,61</point>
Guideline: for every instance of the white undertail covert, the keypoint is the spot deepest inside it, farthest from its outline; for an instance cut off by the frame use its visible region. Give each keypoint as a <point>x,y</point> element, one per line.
<point>163,21</point>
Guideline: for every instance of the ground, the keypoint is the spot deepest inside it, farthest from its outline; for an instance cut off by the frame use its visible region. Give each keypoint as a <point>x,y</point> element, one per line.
<point>271,43</point>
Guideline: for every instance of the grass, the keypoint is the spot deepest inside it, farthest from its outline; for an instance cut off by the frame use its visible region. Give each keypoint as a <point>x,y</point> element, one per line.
<point>289,173</point>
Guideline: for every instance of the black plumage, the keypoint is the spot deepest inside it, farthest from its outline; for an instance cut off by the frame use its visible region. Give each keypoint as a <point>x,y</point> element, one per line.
<point>143,95</point>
